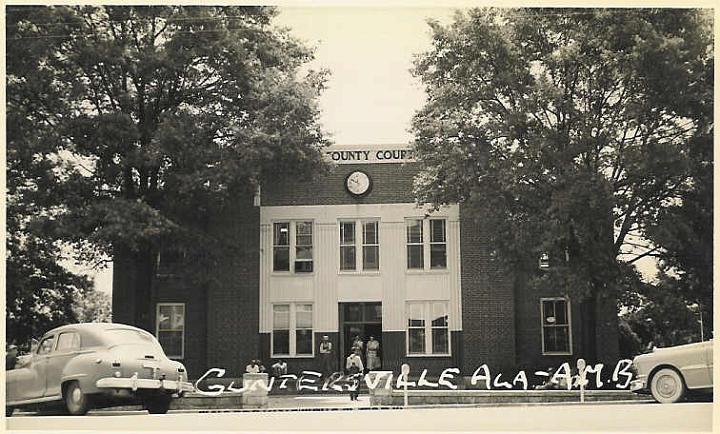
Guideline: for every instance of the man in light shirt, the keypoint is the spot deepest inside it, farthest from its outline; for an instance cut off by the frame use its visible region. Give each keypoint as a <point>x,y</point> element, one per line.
<point>354,366</point>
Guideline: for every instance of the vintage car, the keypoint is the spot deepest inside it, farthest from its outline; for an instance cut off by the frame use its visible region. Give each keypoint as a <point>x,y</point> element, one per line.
<point>669,373</point>
<point>84,366</point>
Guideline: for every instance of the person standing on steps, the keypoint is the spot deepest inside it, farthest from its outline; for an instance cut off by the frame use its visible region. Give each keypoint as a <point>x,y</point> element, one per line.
<point>354,366</point>
<point>326,356</point>
<point>372,356</point>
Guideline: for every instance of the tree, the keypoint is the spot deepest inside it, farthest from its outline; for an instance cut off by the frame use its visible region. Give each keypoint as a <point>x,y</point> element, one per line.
<point>562,130</point>
<point>39,291</point>
<point>167,113</point>
<point>93,306</point>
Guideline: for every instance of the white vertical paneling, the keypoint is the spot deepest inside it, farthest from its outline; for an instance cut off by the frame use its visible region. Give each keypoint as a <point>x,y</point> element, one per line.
<point>390,285</point>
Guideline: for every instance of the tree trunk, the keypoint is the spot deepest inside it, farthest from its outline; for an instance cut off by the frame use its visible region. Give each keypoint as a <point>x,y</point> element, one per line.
<point>588,347</point>
<point>133,292</point>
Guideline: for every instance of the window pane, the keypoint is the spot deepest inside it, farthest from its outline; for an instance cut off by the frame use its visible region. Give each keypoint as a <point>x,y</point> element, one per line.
<point>347,257</point>
<point>415,256</point>
<point>281,316</point>
<point>416,340</point>
<point>281,233</point>
<point>163,318</point>
<point>439,315</point>
<point>415,315</point>
<point>68,341</point>
<point>303,229</point>
<point>303,253</point>
<point>171,342</point>
<point>303,266</point>
<point>373,312</point>
<point>440,340</point>
<point>414,231</point>
<point>562,338</point>
<point>281,259</point>
<point>281,342</point>
<point>560,312</point>
<point>437,231</point>
<point>303,342</point>
<point>370,234</point>
<point>438,259</point>
<point>303,316</point>
<point>371,260</point>
<point>347,233</point>
<point>353,312</point>
<point>548,312</point>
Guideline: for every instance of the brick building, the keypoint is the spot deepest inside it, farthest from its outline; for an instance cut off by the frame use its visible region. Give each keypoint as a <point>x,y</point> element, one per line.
<point>350,254</point>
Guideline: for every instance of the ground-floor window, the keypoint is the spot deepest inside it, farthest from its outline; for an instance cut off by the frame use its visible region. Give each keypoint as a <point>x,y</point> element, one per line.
<point>428,331</point>
<point>556,331</point>
<point>292,330</point>
<point>170,328</point>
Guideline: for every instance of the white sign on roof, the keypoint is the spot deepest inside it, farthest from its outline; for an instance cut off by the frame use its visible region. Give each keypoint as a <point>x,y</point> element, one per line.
<point>369,154</point>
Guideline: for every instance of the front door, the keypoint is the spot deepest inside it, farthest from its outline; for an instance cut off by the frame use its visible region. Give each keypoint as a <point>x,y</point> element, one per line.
<point>361,320</point>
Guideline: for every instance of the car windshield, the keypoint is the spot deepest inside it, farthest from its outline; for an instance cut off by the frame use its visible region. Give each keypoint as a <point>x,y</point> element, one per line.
<point>130,337</point>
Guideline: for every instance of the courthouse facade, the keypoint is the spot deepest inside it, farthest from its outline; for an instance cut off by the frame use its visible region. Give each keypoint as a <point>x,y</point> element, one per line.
<point>351,254</point>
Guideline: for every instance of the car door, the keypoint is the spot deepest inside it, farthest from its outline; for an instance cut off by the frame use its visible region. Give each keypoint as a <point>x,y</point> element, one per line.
<point>67,347</point>
<point>36,384</point>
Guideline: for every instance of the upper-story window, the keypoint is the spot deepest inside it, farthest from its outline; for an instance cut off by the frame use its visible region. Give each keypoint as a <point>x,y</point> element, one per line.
<point>367,232</point>
<point>293,244</point>
<point>420,246</point>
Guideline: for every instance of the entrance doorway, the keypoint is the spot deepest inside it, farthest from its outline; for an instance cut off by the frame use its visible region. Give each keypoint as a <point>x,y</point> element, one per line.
<point>359,319</point>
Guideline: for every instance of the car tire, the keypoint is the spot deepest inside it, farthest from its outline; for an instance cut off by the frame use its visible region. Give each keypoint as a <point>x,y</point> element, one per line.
<point>76,402</point>
<point>158,404</point>
<point>9,411</point>
<point>667,386</point>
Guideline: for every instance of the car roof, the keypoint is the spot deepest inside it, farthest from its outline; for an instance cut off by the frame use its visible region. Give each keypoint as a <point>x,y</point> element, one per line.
<point>92,327</point>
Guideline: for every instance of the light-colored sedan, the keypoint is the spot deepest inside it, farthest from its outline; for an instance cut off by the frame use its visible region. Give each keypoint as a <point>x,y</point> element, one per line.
<point>669,373</point>
<point>96,365</point>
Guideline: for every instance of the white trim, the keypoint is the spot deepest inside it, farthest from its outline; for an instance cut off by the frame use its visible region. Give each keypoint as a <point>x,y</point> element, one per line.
<point>292,330</point>
<point>568,313</point>
<point>359,244</point>
<point>427,319</point>
<point>157,327</point>
<point>292,247</point>
<point>426,244</point>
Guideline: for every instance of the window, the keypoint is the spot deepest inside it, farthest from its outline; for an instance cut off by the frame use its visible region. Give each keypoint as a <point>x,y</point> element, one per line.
<point>415,244</point>
<point>419,247</point>
<point>46,345</point>
<point>296,250</point>
<point>68,342</point>
<point>371,246</point>
<point>369,258</point>
<point>438,245</point>
<point>556,334</point>
<point>428,330</point>
<point>347,246</point>
<point>292,330</point>
<point>170,328</point>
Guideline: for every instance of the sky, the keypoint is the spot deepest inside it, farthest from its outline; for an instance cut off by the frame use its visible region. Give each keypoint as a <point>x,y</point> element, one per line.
<point>371,95</point>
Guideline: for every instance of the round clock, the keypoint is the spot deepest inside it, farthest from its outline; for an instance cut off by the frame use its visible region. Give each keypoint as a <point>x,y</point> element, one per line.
<point>358,183</point>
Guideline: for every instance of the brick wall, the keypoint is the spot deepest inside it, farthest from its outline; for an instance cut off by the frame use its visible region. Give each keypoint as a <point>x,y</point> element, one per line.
<point>233,292</point>
<point>178,290</point>
<point>392,183</point>
<point>488,302</point>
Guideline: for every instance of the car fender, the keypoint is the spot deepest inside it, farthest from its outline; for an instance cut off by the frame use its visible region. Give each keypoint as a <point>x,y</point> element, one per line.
<point>85,369</point>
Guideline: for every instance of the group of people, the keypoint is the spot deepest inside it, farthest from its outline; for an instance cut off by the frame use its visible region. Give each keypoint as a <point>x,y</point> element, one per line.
<point>363,357</point>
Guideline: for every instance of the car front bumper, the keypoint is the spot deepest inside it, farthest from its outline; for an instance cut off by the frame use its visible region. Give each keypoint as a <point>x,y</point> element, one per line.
<point>133,383</point>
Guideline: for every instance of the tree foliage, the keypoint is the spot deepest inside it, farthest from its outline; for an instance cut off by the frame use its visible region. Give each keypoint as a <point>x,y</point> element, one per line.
<point>148,119</point>
<point>567,131</point>
<point>93,306</point>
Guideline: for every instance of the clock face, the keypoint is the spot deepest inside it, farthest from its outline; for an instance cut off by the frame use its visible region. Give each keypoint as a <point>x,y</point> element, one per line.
<point>358,183</point>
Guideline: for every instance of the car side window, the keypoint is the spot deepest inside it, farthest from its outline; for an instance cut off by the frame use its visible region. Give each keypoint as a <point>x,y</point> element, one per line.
<point>46,345</point>
<point>68,341</point>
